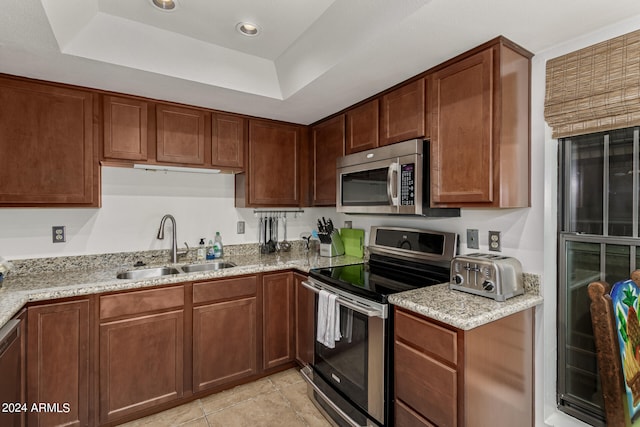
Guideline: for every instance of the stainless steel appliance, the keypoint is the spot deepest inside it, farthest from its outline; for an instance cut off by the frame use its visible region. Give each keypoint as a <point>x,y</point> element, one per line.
<point>11,371</point>
<point>494,276</point>
<point>393,179</point>
<point>352,382</point>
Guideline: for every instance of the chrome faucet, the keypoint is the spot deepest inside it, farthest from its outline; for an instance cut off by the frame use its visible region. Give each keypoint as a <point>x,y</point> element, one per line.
<point>174,246</point>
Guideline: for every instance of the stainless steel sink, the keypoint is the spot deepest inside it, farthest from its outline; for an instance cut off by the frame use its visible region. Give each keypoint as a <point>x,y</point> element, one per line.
<point>210,266</point>
<point>146,273</point>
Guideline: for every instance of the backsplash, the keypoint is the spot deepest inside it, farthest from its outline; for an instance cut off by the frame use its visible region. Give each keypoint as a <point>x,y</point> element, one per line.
<point>128,259</point>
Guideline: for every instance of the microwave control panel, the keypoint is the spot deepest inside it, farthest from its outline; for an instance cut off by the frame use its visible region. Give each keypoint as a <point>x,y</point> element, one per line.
<point>407,186</point>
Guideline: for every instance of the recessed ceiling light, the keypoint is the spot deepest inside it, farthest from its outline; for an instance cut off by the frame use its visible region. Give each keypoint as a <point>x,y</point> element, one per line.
<point>166,5</point>
<point>248,29</point>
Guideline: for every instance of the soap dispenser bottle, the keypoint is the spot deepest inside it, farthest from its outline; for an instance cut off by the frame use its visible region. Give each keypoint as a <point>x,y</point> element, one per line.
<point>210,253</point>
<point>201,251</point>
<point>217,245</point>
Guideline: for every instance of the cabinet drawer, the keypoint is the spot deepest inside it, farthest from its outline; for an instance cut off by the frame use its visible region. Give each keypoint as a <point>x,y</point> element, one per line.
<point>426,385</point>
<point>426,336</point>
<point>138,302</point>
<point>224,289</point>
<point>407,417</point>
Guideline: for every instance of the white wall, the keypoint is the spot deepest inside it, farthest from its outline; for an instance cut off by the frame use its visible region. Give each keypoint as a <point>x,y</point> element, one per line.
<point>134,201</point>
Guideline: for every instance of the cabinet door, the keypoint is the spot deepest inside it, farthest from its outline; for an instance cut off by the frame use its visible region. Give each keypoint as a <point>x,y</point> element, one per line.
<point>277,298</point>
<point>305,321</point>
<point>228,140</point>
<point>125,128</point>
<point>403,113</point>
<point>224,342</point>
<point>273,169</point>
<point>328,144</point>
<point>48,146</point>
<point>58,363</point>
<point>461,132</point>
<point>181,135</point>
<point>362,127</point>
<point>141,363</point>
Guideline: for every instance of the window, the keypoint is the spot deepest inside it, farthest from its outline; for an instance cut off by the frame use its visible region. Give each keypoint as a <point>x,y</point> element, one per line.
<point>598,240</point>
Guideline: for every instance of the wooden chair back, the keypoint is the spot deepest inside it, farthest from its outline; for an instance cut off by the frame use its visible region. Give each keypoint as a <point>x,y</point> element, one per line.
<point>616,330</point>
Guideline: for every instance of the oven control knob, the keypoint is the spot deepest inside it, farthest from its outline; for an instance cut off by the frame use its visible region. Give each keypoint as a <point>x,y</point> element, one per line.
<point>488,286</point>
<point>458,279</point>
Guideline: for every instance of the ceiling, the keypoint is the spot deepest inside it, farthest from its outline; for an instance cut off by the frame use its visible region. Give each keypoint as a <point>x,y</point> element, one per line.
<point>311,58</point>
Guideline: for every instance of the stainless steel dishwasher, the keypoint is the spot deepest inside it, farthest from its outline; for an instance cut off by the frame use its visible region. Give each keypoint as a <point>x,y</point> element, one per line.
<point>11,369</point>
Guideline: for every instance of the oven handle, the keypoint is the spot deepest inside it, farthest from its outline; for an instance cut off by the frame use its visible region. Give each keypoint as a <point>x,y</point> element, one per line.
<point>305,373</point>
<point>347,304</point>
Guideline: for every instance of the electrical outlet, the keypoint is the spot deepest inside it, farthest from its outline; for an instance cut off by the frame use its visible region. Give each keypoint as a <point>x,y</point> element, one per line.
<point>58,234</point>
<point>240,227</point>
<point>473,242</point>
<point>348,224</point>
<point>495,241</point>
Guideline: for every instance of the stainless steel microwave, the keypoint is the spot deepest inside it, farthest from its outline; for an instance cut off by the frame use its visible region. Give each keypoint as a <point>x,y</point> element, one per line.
<point>390,180</point>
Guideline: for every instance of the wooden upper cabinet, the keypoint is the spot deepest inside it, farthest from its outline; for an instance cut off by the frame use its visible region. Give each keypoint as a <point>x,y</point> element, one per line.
<point>480,129</point>
<point>48,145</point>
<point>403,113</point>
<point>273,166</point>
<point>180,135</point>
<point>362,127</point>
<point>328,145</point>
<point>125,128</point>
<point>228,140</point>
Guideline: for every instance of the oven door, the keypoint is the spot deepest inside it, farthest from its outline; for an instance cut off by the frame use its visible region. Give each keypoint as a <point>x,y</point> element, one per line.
<point>352,375</point>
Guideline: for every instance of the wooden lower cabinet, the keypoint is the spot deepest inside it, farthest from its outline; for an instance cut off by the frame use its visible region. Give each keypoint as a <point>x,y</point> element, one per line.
<point>450,377</point>
<point>278,312</point>
<point>58,364</point>
<point>224,331</point>
<point>109,358</point>
<point>305,320</point>
<point>141,351</point>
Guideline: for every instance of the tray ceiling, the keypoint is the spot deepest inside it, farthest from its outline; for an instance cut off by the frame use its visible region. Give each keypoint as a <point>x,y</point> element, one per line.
<point>312,57</point>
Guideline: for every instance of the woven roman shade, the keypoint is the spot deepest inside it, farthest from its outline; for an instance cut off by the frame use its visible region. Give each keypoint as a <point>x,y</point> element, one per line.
<point>594,89</point>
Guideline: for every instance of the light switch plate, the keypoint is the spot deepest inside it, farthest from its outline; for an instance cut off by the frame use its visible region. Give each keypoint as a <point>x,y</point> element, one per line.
<point>472,239</point>
<point>495,241</point>
<point>58,234</point>
<point>240,227</point>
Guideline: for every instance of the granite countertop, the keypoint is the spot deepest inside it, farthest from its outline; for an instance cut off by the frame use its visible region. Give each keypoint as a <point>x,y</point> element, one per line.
<point>59,278</point>
<point>63,277</point>
<point>463,310</point>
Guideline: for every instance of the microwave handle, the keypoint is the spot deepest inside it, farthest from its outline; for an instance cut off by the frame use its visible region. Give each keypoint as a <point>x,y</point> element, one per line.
<point>393,170</point>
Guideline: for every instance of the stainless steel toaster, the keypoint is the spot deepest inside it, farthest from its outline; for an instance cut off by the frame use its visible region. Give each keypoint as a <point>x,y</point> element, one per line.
<point>493,276</point>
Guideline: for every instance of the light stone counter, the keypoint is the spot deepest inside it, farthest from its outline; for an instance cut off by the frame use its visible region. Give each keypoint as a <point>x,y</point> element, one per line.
<point>52,278</point>
<point>463,310</point>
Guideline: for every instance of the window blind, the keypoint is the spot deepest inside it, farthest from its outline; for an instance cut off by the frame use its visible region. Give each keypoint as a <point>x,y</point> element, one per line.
<point>594,89</point>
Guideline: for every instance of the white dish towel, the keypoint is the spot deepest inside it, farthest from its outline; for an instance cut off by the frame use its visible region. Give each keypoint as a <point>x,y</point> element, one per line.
<point>328,328</point>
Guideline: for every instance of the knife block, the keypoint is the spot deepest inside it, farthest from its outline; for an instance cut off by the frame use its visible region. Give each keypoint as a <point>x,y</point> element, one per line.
<point>335,248</point>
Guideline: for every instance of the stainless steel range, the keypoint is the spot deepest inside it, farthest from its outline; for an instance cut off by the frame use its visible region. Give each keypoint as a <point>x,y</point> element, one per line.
<point>351,377</point>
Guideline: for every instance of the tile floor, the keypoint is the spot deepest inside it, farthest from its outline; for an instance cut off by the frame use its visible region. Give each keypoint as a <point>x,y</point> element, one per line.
<point>278,400</point>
